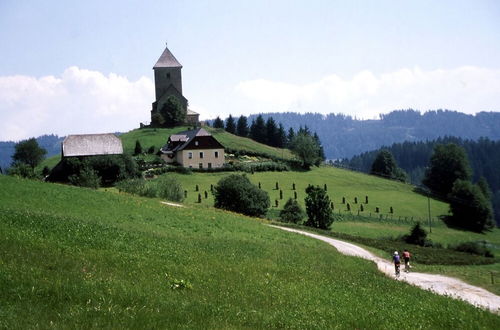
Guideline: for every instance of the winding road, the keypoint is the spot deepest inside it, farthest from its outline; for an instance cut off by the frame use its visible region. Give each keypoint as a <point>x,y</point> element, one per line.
<point>439,284</point>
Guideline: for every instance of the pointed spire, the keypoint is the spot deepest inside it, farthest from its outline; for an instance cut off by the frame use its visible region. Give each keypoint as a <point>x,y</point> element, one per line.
<point>167,60</point>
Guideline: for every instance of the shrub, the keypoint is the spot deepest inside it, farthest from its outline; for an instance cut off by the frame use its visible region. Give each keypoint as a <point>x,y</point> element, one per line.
<point>236,193</point>
<point>139,187</point>
<point>86,178</point>
<point>417,236</point>
<point>319,212</point>
<point>22,170</point>
<point>292,212</point>
<point>170,189</point>
<point>477,248</point>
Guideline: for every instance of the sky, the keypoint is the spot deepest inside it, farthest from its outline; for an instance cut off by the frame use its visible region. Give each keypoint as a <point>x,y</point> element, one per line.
<point>73,67</point>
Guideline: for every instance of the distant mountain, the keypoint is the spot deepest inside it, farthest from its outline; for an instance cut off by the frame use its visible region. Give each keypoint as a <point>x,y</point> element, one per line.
<point>51,143</point>
<point>344,136</point>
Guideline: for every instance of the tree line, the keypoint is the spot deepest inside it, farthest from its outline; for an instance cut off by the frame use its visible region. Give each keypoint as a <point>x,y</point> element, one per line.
<point>415,158</point>
<point>305,144</point>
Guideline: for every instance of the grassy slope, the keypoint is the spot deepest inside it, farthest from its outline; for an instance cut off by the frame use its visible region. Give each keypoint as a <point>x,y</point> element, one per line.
<point>158,137</point>
<point>340,183</point>
<point>72,257</point>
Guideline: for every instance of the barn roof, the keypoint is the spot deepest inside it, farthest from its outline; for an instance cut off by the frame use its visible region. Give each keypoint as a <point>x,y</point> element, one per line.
<point>91,145</point>
<point>179,141</point>
<point>167,60</point>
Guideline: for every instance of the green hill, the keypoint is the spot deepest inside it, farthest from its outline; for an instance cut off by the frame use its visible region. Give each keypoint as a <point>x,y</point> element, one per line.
<point>157,137</point>
<point>77,258</point>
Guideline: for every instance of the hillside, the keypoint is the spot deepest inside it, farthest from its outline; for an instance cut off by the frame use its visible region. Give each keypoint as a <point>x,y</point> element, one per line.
<point>157,137</point>
<point>79,258</point>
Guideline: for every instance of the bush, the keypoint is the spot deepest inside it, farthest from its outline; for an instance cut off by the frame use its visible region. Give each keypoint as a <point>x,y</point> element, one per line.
<point>86,178</point>
<point>292,212</point>
<point>22,170</point>
<point>170,189</point>
<point>139,187</point>
<point>417,236</point>
<point>236,193</point>
<point>477,248</point>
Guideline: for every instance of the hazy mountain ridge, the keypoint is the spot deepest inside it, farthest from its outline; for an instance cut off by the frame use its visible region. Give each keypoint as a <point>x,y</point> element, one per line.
<point>343,136</point>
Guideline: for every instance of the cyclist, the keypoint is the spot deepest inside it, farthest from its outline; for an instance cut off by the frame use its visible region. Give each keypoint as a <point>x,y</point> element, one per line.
<point>397,262</point>
<point>406,258</point>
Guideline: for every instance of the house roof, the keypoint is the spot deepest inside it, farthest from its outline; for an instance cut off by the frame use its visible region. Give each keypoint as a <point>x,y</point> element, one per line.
<point>167,60</point>
<point>179,141</point>
<point>191,112</point>
<point>91,145</point>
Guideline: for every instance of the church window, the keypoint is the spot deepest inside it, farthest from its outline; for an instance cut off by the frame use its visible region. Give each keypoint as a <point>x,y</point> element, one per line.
<point>216,154</point>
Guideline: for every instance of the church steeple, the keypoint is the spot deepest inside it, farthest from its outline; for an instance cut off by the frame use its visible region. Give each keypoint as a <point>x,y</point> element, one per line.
<point>167,73</point>
<point>167,60</point>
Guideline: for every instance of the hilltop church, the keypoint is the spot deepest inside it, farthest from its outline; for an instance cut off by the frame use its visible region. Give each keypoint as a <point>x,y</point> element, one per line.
<point>168,82</point>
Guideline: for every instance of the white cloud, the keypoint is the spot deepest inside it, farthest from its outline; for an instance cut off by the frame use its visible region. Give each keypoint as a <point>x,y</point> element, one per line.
<point>80,101</point>
<point>366,95</point>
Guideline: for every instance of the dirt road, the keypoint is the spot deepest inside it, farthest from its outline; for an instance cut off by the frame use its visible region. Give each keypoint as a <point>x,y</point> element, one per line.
<point>439,284</point>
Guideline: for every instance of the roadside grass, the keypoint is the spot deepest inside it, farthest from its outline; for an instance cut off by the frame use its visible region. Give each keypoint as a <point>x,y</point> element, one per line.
<point>78,258</point>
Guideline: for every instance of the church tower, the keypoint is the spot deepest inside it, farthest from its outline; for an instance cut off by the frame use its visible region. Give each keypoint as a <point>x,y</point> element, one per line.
<point>167,72</point>
<point>168,82</point>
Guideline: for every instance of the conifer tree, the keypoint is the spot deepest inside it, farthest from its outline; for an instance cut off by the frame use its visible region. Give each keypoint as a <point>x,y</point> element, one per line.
<point>242,126</point>
<point>230,125</point>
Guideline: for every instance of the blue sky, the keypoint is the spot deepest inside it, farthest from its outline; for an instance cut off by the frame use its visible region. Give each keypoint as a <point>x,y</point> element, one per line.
<point>86,66</point>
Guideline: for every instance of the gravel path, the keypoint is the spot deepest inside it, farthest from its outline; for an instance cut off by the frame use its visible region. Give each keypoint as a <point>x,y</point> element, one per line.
<point>439,284</point>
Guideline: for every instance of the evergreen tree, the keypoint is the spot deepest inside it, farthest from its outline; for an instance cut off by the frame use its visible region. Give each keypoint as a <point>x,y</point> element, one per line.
<point>318,208</point>
<point>28,152</point>
<point>172,112</point>
<point>281,141</point>
<point>271,132</point>
<point>230,125</point>
<point>290,136</point>
<point>385,165</point>
<point>469,207</point>
<point>448,163</point>
<point>321,152</point>
<point>258,130</point>
<point>485,188</point>
<point>218,123</point>
<point>242,126</point>
<point>138,148</point>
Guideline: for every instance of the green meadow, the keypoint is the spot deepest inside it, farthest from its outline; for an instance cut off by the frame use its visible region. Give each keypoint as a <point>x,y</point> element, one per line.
<point>77,258</point>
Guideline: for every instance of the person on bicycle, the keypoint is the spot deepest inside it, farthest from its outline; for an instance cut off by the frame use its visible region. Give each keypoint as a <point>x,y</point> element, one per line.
<point>406,258</point>
<point>397,262</point>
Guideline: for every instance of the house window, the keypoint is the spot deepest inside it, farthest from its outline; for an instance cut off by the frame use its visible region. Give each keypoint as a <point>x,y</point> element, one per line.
<point>216,154</point>
<point>168,75</point>
<point>190,166</point>
<point>209,165</point>
<point>200,165</point>
<point>201,155</point>
<point>190,155</point>
<point>196,143</point>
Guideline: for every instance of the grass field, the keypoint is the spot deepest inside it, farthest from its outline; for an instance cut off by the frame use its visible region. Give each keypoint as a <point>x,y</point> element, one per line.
<point>340,183</point>
<point>77,258</point>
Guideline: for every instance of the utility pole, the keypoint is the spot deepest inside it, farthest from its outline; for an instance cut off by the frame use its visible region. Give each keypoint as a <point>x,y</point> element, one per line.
<point>429,210</point>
